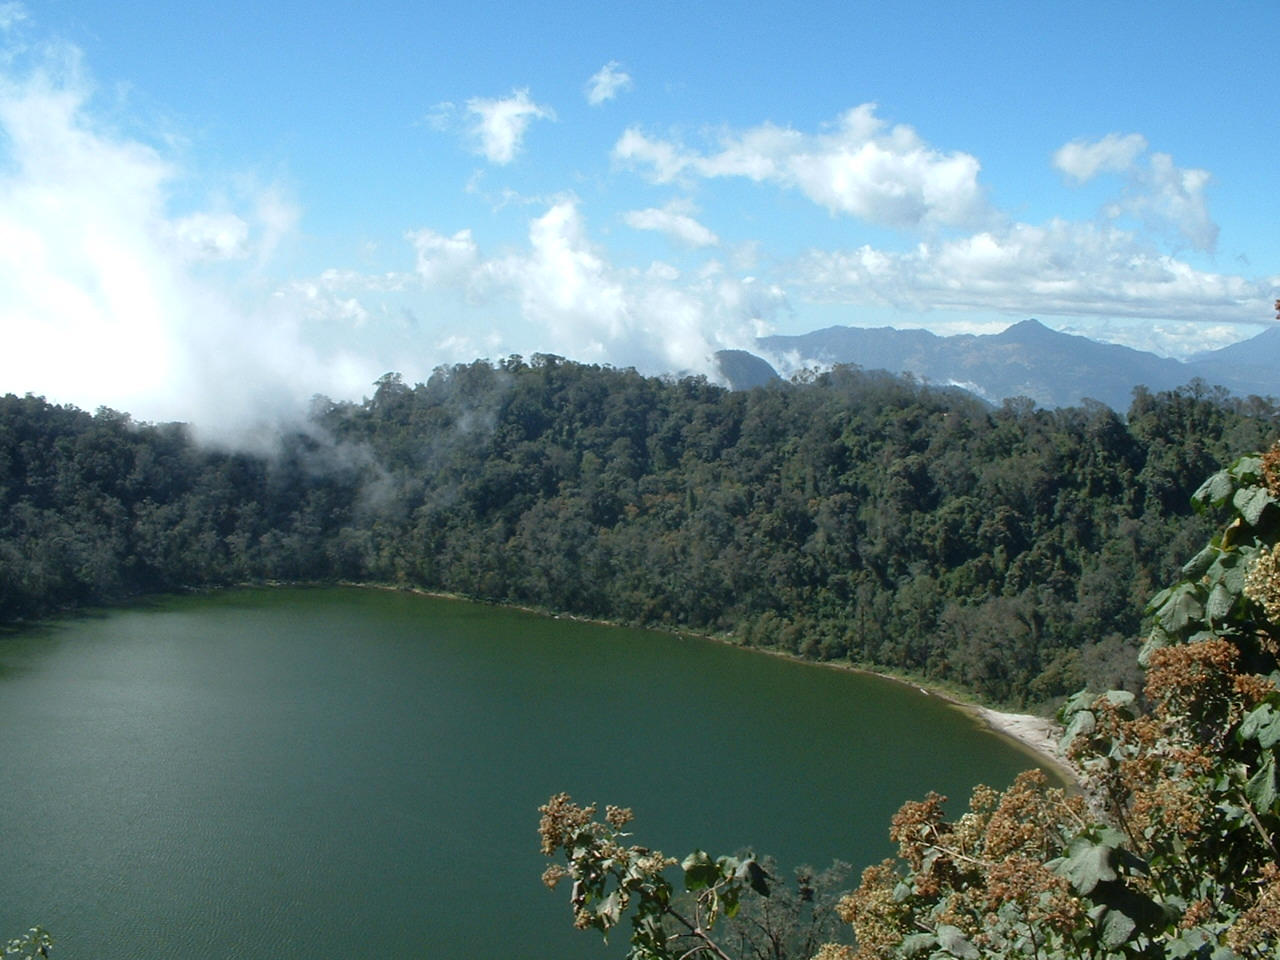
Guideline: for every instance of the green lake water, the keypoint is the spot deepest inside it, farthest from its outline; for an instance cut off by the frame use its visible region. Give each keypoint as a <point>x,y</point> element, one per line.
<point>341,772</point>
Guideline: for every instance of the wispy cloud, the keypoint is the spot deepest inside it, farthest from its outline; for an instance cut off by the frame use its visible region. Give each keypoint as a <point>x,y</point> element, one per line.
<point>499,126</point>
<point>859,167</point>
<point>1166,198</point>
<point>1171,199</point>
<point>211,236</point>
<point>1059,269</point>
<point>607,83</point>
<point>11,14</point>
<point>675,223</point>
<point>1082,160</point>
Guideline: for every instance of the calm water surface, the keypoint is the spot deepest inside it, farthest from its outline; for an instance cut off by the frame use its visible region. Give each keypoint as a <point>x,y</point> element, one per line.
<point>341,772</point>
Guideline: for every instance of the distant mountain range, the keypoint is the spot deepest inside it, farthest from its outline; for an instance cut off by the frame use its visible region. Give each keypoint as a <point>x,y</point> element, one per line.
<point>1028,360</point>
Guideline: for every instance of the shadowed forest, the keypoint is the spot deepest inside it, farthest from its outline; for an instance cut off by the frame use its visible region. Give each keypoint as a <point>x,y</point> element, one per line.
<point>849,516</point>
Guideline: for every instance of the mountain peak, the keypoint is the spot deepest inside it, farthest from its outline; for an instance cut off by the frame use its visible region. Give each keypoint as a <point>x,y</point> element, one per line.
<point>1026,330</point>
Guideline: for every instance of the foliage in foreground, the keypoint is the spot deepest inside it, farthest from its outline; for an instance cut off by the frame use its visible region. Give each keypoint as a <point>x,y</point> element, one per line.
<point>610,878</point>
<point>1170,851</point>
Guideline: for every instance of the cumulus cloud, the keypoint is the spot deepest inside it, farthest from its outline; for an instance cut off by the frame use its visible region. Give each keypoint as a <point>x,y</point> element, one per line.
<point>1166,198</point>
<point>444,261</point>
<point>499,126</point>
<point>1060,269</point>
<point>607,83</point>
<point>859,167</point>
<point>103,296</point>
<point>676,224</point>
<point>573,300</point>
<point>1081,160</point>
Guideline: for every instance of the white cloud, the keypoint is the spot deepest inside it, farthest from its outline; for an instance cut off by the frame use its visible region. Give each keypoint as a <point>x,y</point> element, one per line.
<point>441,116</point>
<point>1061,269</point>
<point>676,224</point>
<point>667,159</point>
<point>1164,197</point>
<point>607,83</point>
<point>1081,160</point>
<point>858,167</point>
<point>1178,339</point>
<point>443,261</point>
<point>573,301</point>
<point>1168,198</point>
<point>277,219</point>
<point>103,299</point>
<point>500,125</point>
<point>210,236</point>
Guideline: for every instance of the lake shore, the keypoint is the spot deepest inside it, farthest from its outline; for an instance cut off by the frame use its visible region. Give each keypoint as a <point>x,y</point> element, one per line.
<point>1038,735</point>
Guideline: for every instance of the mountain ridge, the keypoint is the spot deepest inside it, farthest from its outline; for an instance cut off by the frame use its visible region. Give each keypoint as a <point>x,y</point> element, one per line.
<point>1026,359</point>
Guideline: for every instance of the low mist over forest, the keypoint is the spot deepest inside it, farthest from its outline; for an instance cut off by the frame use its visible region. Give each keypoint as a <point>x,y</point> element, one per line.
<point>846,516</point>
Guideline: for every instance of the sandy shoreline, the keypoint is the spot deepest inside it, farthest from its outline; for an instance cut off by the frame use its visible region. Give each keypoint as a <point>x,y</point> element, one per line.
<point>1039,735</point>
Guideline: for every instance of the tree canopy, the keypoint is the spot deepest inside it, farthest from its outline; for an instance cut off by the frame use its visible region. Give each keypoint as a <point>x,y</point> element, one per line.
<point>849,516</point>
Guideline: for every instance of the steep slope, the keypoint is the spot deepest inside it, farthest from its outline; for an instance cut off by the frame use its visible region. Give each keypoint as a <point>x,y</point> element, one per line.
<point>1249,367</point>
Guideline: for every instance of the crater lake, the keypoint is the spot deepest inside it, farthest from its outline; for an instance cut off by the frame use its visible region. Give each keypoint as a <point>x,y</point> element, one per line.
<point>335,772</point>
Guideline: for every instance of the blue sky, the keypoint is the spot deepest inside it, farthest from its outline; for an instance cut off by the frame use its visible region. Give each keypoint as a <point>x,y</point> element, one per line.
<point>212,209</point>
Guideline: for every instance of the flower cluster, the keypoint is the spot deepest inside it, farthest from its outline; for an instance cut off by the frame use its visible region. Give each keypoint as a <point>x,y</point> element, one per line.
<point>561,820</point>
<point>1262,583</point>
<point>982,878</point>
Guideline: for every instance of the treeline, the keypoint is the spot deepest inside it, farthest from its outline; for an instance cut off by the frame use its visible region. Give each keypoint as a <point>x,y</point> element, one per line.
<point>848,515</point>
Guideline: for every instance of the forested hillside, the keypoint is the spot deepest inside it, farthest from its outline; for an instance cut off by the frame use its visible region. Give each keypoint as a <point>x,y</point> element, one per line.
<point>848,515</point>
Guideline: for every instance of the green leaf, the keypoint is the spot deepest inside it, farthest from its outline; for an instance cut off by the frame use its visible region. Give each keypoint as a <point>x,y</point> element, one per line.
<point>1087,864</point>
<point>1159,600</point>
<point>1215,490</point>
<point>1233,570</point>
<point>730,902</point>
<point>1262,724</point>
<point>1218,607</point>
<point>1119,698</point>
<point>1247,469</point>
<point>1251,502</point>
<point>1261,788</point>
<point>1117,928</point>
<point>1082,723</point>
<point>1126,911</point>
<point>953,940</point>
<point>918,943</point>
<point>1112,838</point>
<point>610,909</point>
<point>699,871</point>
<point>1197,566</point>
<point>1181,609</point>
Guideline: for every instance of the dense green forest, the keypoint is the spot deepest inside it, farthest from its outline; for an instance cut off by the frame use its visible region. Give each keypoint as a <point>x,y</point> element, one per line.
<point>846,515</point>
